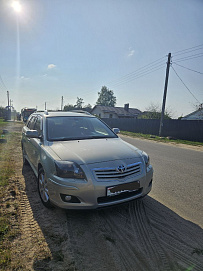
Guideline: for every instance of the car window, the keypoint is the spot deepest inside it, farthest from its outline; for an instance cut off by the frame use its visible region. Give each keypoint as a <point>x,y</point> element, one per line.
<point>38,125</point>
<point>99,128</point>
<point>72,128</point>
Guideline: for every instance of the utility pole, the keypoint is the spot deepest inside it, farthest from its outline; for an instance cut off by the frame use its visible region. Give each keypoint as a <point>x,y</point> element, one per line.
<point>62,103</point>
<point>8,113</point>
<point>45,106</point>
<point>8,98</point>
<point>165,92</point>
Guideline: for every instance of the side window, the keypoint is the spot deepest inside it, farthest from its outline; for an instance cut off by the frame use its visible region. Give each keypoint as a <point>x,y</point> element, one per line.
<point>31,122</point>
<point>38,125</point>
<point>28,121</point>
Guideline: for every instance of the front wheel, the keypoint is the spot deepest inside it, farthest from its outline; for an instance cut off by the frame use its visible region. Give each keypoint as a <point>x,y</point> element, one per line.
<point>43,189</point>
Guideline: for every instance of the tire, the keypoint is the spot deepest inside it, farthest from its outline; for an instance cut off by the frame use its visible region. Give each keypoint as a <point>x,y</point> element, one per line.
<point>43,189</point>
<point>25,161</point>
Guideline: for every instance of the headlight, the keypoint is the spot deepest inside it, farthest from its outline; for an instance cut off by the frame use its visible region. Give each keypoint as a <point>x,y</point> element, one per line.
<point>146,158</point>
<point>66,169</point>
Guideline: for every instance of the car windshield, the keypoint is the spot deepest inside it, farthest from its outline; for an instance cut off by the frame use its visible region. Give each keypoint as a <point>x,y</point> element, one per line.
<point>75,128</point>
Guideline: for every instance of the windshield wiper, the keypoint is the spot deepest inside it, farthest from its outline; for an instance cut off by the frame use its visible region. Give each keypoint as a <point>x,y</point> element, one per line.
<point>99,137</point>
<point>79,138</point>
<point>61,139</point>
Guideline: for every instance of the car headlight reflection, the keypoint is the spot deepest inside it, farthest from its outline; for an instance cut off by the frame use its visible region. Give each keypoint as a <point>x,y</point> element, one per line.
<point>146,158</point>
<point>66,169</point>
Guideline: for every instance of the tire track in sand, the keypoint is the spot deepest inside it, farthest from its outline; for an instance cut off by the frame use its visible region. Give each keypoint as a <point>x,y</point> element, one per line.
<point>178,236</point>
<point>117,238</point>
<point>137,245</point>
<point>88,241</point>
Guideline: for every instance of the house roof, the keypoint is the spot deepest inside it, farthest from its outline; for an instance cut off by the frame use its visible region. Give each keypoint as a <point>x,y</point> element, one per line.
<point>119,111</point>
<point>200,111</point>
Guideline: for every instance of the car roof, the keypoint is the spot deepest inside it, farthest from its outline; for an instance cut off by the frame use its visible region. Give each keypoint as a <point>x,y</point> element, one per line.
<point>62,114</point>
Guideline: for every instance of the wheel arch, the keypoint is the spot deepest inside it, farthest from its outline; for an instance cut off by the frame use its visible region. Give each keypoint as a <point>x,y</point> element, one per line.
<point>39,167</point>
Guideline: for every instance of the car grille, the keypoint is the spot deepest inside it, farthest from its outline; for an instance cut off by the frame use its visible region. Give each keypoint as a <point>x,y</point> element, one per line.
<point>105,174</point>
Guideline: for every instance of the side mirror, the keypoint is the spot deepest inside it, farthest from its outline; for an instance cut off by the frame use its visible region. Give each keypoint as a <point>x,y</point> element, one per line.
<point>32,134</point>
<point>116,130</point>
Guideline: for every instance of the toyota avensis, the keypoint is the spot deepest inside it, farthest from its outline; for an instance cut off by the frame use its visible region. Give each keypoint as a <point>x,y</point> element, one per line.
<point>80,163</point>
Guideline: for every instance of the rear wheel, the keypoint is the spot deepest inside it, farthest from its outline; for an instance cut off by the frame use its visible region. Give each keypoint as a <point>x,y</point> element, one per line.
<point>43,189</point>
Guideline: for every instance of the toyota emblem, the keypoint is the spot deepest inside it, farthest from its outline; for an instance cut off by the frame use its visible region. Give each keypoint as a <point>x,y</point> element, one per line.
<point>121,169</point>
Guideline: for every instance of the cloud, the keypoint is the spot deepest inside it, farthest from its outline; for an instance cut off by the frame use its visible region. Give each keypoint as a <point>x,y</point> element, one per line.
<point>131,52</point>
<point>51,66</point>
<point>24,78</point>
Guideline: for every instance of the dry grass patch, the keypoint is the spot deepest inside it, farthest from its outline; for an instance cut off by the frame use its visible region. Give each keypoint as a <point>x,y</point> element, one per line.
<point>9,207</point>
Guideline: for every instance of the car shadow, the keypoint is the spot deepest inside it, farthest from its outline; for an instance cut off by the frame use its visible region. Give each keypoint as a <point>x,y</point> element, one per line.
<point>139,235</point>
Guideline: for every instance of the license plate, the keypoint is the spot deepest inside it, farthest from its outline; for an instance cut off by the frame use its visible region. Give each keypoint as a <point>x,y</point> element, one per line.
<point>121,188</point>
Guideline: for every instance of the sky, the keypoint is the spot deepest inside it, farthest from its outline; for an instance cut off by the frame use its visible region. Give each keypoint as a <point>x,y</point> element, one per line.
<point>71,48</point>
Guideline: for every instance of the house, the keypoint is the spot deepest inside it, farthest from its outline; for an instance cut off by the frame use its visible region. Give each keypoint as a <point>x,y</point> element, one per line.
<point>196,115</point>
<point>115,112</point>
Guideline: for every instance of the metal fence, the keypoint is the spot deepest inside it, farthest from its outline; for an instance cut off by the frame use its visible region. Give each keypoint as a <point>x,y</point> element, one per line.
<point>191,130</point>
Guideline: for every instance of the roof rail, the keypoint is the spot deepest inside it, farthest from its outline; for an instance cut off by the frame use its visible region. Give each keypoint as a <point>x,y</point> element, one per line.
<point>80,111</point>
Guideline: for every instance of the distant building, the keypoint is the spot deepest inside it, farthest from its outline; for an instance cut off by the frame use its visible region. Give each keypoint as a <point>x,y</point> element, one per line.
<point>115,112</point>
<point>196,115</point>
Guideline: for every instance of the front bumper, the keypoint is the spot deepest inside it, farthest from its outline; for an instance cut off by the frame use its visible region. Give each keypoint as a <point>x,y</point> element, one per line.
<point>92,194</point>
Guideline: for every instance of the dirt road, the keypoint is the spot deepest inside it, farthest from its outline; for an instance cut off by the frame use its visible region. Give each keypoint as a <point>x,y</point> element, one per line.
<point>141,235</point>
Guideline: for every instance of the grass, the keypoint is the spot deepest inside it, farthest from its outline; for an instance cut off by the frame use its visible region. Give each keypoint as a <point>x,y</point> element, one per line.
<point>8,209</point>
<point>2,122</point>
<point>161,139</point>
<point>6,167</point>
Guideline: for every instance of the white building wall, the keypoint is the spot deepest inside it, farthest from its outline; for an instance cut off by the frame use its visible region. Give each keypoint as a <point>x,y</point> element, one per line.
<point>101,114</point>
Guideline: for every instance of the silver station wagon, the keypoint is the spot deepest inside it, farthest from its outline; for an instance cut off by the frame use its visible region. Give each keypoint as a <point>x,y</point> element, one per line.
<point>80,163</point>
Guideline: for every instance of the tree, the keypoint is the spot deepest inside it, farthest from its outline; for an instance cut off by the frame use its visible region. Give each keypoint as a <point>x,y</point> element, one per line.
<point>106,97</point>
<point>79,103</point>
<point>78,106</point>
<point>153,111</point>
<point>2,112</point>
<point>68,107</point>
<point>87,108</point>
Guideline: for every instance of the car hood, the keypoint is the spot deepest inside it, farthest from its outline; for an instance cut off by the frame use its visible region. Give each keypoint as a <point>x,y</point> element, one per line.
<point>94,150</point>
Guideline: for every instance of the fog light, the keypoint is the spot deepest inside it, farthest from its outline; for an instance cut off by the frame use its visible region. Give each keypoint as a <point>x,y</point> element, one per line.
<point>68,198</point>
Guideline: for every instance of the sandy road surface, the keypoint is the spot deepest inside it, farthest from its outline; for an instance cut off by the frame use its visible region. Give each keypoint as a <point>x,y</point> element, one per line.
<point>141,235</point>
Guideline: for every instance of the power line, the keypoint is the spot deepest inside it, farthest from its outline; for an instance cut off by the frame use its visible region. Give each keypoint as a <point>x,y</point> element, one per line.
<point>139,75</point>
<point>140,72</point>
<point>2,89</point>
<point>188,49</point>
<point>139,69</point>
<point>3,83</point>
<point>186,86</point>
<point>153,66</point>
<point>189,57</point>
<point>187,68</point>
